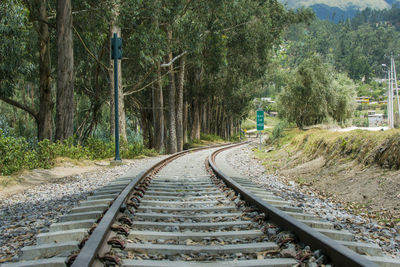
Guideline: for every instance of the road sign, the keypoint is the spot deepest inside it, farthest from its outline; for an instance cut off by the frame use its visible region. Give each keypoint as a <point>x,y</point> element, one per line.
<point>260,120</point>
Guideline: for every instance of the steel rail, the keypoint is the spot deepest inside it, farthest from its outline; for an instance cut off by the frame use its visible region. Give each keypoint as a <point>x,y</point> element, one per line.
<point>89,253</point>
<point>337,253</point>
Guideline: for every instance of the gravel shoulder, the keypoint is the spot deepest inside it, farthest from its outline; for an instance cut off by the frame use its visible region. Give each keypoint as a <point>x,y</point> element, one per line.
<point>365,228</point>
<point>42,200</point>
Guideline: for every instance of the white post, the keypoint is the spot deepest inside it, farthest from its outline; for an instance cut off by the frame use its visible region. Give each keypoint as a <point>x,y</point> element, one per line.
<point>388,102</point>
<point>391,95</point>
<point>395,85</point>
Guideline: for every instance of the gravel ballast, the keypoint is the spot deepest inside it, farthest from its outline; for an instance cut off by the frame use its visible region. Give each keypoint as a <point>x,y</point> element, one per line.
<point>26,214</point>
<point>243,161</point>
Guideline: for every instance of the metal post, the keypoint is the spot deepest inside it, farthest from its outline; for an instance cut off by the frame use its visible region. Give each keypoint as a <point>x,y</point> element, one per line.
<point>259,133</point>
<point>396,86</point>
<point>388,103</point>
<point>391,96</point>
<point>115,51</point>
<point>240,130</point>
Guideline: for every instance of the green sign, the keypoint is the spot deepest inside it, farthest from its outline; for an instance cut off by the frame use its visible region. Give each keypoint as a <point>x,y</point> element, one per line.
<point>260,120</point>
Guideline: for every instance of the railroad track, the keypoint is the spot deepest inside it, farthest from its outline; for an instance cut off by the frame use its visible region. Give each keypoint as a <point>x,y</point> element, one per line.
<point>185,211</point>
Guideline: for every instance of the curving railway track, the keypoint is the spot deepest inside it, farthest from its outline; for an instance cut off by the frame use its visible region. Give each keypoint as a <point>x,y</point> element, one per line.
<point>186,211</point>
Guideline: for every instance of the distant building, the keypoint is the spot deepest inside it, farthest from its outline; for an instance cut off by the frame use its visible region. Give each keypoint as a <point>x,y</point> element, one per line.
<point>375,119</point>
<point>363,99</point>
<point>268,100</point>
<point>273,114</point>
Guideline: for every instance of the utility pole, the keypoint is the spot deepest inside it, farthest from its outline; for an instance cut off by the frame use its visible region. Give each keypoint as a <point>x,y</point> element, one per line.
<point>392,85</point>
<point>390,99</point>
<point>395,86</point>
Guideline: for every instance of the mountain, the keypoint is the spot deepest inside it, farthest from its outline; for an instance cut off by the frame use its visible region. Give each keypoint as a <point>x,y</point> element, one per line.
<point>336,10</point>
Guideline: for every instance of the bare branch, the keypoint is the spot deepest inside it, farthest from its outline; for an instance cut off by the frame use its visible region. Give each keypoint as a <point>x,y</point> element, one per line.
<point>20,106</point>
<point>173,60</point>
<point>141,89</point>
<point>87,49</point>
<point>147,85</point>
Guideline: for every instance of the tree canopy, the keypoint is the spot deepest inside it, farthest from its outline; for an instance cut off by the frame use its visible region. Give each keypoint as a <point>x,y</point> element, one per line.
<point>198,63</point>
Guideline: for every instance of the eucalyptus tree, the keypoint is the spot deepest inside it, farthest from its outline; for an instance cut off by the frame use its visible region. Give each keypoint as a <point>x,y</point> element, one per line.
<point>92,80</point>
<point>308,96</point>
<point>16,28</point>
<point>209,54</point>
<point>240,38</point>
<point>115,28</point>
<point>144,49</point>
<point>344,103</point>
<point>65,71</point>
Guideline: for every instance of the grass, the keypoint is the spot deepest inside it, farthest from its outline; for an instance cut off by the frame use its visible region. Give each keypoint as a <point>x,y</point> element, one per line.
<point>366,147</point>
<point>9,180</point>
<point>248,124</point>
<point>271,121</point>
<point>205,140</point>
<point>359,149</point>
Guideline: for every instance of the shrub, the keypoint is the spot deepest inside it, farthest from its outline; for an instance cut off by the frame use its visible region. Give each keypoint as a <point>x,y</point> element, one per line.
<point>12,154</point>
<point>131,150</point>
<point>361,122</point>
<point>17,154</point>
<point>45,154</point>
<point>210,137</point>
<point>99,149</point>
<point>278,131</point>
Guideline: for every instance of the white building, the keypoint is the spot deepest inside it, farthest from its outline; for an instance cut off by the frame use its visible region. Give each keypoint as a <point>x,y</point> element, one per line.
<point>375,119</point>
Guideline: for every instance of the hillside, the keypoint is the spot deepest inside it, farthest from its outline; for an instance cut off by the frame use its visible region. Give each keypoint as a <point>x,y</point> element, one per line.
<point>336,10</point>
<point>342,4</point>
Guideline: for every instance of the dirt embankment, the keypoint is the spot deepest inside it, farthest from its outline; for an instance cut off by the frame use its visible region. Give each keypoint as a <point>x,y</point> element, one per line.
<point>19,182</point>
<point>358,169</point>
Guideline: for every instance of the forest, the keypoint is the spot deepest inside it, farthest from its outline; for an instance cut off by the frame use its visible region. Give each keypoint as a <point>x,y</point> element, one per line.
<point>334,62</point>
<point>187,67</point>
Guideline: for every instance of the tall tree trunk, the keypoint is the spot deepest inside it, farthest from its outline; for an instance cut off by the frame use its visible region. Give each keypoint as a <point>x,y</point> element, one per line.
<point>221,121</point>
<point>185,121</point>
<point>231,130</point>
<point>145,130</point>
<point>45,116</point>
<point>158,112</point>
<point>214,117</point>
<point>195,133</point>
<point>65,71</point>
<point>172,145</point>
<point>179,105</point>
<point>114,28</point>
<point>203,112</point>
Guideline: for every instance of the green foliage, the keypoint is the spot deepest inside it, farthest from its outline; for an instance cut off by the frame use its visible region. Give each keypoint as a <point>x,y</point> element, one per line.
<point>131,149</point>
<point>360,122</point>
<point>367,147</point>
<point>14,154</point>
<point>17,154</point>
<point>357,47</point>
<point>278,131</point>
<point>248,124</point>
<point>344,103</point>
<point>316,93</point>
<point>13,46</point>
<point>228,45</point>
<point>210,137</point>
<point>307,97</point>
